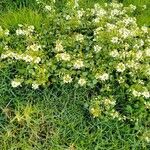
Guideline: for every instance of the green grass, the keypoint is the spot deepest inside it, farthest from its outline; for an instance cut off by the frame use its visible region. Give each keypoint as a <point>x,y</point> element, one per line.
<point>142,18</point>
<point>21,16</point>
<point>53,119</point>
<point>56,118</point>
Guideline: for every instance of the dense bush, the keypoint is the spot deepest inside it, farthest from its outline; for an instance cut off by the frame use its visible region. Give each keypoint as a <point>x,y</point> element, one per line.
<point>101,46</point>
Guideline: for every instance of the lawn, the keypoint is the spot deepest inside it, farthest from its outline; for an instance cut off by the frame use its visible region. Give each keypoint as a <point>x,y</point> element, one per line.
<point>57,117</point>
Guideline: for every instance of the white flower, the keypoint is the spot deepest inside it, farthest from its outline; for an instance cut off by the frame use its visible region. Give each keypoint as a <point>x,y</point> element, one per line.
<point>17,56</point>
<point>147,139</point>
<point>121,80</point>
<point>144,29</point>
<point>146,94</point>
<point>121,67</point>
<point>47,7</point>
<point>132,7</point>
<point>37,60</point>
<point>76,3</point>
<point>110,26</point>
<point>147,51</point>
<point>144,7</point>
<point>125,33</point>
<point>35,86</point>
<point>116,5</point>
<point>108,102</point>
<point>3,56</point>
<point>136,93</point>
<point>59,47</point>
<point>147,105</point>
<point>102,77</point>
<point>68,17</point>
<point>97,30</point>
<point>141,43</point>
<point>79,37</point>
<point>114,53</point>
<point>99,11</point>
<point>6,32</point>
<point>114,114</point>
<point>27,58</point>
<point>6,47</point>
<point>63,56</point>
<point>115,12</point>
<point>82,81</point>
<point>80,13</point>
<point>20,25</point>
<point>136,46</point>
<point>96,20</point>
<point>38,1</point>
<point>141,82</point>
<point>115,40</point>
<point>15,83</point>
<point>132,64</point>
<point>139,54</point>
<point>20,32</point>
<point>78,64</point>
<point>97,48</point>
<point>31,28</point>
<point>131,21</point>
<point>67,79</point>
<point>126,46</point>
<point>34,47</point>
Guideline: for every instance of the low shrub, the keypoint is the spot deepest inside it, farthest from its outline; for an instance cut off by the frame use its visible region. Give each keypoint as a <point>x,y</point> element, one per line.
<point>101,46</point>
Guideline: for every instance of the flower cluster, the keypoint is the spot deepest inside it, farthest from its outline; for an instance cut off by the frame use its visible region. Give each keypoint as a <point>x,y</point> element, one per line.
<point>22,47</point>
<point>104,106</point>
<point>100,47</point>
<point>24,57</point>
